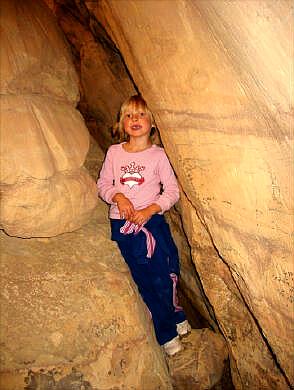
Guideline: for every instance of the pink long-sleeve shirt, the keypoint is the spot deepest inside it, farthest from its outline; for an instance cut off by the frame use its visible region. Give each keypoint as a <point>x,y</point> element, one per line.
<point>138,176</point>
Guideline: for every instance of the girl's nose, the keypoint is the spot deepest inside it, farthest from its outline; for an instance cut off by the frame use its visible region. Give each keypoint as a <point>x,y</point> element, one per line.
<point>135,116</point>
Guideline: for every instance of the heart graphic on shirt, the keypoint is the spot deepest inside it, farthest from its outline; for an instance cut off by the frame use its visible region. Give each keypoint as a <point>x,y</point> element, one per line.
<point>132,179</point>
<point>132,175</point>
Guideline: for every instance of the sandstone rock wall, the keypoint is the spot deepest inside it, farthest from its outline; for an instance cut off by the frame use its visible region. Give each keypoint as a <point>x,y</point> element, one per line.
<point>45,189</point>
<point>217,75</point>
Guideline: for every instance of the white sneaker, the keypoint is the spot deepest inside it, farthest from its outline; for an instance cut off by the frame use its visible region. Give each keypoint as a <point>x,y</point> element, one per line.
<point>183,328</point>
<point>173,346</point>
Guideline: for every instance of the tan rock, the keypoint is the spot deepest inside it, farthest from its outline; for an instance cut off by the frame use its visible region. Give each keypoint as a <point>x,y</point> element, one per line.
<point>44,140</point>
<point>45,208</point>
<point>199,366</point>
<point>70,313</point>
<point>34,56</point>
<point>40,137</point>
<point>247,350</point>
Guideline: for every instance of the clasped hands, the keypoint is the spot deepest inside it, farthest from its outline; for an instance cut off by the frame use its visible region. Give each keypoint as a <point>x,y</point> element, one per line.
<point>127,210</point>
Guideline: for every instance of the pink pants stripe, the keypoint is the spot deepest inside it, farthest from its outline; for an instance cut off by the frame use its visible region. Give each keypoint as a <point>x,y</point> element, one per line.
<point>174,278</point>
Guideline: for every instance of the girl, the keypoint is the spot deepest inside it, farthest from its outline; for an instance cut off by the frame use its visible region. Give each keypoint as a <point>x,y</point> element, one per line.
<point>138,182</point>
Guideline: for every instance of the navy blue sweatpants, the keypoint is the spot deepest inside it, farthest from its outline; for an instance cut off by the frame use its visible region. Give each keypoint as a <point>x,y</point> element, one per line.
<point>152,275</point>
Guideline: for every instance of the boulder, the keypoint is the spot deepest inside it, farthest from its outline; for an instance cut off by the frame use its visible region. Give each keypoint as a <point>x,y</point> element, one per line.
<point>44,140</point>
<point>200,365</point>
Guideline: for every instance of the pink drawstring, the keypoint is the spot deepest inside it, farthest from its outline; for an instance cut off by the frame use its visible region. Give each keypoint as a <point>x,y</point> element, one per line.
<point>130,227</point>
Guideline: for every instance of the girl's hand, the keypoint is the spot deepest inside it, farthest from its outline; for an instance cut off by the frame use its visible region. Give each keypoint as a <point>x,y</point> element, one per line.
<point>142,216</point>
<point>125,206</point>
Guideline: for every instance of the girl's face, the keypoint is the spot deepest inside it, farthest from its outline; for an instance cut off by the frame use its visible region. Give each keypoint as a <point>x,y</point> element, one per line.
<point>136,122</point>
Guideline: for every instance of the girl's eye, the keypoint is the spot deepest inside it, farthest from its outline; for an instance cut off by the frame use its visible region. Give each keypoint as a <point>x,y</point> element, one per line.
<point>128,115</point>
<point>142,114</point>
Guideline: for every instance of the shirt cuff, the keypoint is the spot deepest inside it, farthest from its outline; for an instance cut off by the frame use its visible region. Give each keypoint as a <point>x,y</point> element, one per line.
<point>163,204</point>
<point>110,195</point>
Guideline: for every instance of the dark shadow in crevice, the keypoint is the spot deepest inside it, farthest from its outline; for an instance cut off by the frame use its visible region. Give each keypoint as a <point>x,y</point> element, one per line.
<point>194,317</point>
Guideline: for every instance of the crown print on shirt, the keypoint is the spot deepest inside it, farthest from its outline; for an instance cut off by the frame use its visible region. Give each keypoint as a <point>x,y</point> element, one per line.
<point>132,176</point>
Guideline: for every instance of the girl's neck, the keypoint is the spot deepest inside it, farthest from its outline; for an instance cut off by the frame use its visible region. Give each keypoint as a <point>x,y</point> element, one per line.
<point>137,145</point>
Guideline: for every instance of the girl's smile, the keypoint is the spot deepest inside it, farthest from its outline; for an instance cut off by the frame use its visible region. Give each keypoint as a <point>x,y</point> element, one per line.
<point>136,127</point>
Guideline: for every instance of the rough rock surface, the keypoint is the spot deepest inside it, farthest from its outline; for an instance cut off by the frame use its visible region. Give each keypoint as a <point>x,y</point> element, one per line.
<point>44,141</point>
<point>72,317</point>
<point>221,98</point>
<point>199,366</point>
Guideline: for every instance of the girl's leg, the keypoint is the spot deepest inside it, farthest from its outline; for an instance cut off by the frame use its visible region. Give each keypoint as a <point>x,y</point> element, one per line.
<point>156,289</point>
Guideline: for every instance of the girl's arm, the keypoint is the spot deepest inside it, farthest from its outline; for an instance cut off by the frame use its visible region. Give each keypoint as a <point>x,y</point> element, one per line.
<point>125,206</point>
<point>167,199</point>
<point>109,192</point>
<point>171,192</point>
<point>105,183</point>
<point>142,216</point>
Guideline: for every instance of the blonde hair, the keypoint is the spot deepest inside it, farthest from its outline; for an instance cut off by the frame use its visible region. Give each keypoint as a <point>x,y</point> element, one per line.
<point>134,104</point>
